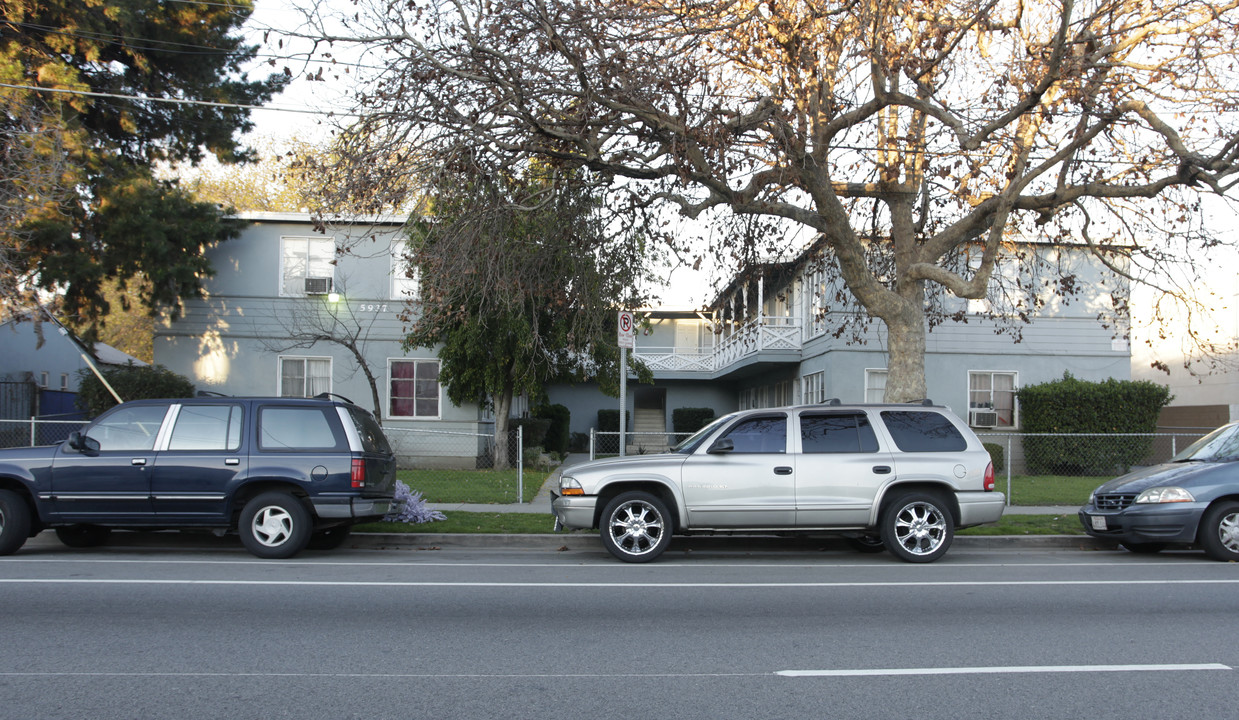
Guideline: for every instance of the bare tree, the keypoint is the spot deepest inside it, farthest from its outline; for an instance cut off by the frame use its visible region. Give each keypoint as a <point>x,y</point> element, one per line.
<point>304,324</point>
<point>903,135</point>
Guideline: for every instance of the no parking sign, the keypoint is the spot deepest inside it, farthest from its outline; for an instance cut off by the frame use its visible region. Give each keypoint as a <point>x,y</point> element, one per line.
<point>627,330</point>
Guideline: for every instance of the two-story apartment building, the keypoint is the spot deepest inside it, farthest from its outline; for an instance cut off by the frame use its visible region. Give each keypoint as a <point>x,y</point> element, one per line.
<point>288,314</point>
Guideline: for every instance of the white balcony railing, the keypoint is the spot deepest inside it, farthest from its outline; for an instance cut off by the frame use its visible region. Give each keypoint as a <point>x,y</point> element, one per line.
<point>755,336</point>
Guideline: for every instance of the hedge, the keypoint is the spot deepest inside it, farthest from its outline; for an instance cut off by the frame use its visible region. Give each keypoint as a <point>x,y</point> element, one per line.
<point>1072,406</point>
<point>557,434</point>
<point>686,420</point>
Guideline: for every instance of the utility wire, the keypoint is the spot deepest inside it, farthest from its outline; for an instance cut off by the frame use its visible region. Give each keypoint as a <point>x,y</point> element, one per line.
<point>178,101</point>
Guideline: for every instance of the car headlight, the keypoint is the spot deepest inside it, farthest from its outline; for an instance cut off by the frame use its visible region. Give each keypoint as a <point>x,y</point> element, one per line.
<point>570,486</point>
<point>1164,495</point>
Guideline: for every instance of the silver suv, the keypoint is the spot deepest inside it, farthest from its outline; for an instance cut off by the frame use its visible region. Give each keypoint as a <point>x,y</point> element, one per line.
<point>899,477</point>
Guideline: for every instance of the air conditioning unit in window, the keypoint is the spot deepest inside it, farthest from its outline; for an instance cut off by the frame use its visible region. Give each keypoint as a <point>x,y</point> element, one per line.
<point>317,285</point>
<point>982,418</point>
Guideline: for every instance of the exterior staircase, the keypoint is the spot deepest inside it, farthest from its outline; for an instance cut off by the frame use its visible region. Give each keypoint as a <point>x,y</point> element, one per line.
<point>648,420</point>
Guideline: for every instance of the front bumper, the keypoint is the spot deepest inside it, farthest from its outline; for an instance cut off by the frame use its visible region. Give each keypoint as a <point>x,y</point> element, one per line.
<point>344,508</point>
<point>573,512</point>
<point>1160,523</point>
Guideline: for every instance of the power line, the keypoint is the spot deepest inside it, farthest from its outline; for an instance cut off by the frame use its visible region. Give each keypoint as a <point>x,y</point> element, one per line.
<point>177,101</point>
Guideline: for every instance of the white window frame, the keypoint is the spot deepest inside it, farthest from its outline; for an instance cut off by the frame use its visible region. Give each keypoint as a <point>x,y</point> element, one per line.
<point>402,288</point>
<point>279,374</point>
<point>871,385</point>
<point>64,381</point>
<point>814,385</point>
<point>312,268</point>
<point>44,379</point>
<point>976,404</point>
<point>390,410</point>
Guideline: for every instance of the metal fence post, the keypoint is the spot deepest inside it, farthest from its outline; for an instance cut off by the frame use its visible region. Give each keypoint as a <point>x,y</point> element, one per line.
<point>1010,458</point>
<point>520,463</point>
<point>33,432</point>
<point>591,443</point>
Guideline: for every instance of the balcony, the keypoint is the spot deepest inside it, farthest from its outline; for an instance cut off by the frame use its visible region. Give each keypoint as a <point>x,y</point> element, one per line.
<point>748,341</point>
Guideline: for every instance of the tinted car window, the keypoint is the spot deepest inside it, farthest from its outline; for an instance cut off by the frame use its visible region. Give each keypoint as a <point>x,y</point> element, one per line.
<point>207,427</point>
<point>837,433</point>
<point>760,435</point>
<point>923,432</point>
<point>299,428</point>
<point>372,438</point>
<point>129,428</point>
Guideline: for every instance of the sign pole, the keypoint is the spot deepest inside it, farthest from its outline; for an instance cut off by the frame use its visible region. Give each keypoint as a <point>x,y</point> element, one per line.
<point>625,337</point>
<point>623,400</point>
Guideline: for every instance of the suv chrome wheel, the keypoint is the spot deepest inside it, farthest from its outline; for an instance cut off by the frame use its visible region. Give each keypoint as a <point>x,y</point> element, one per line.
<point>636,527</point>
<point>918,527</point>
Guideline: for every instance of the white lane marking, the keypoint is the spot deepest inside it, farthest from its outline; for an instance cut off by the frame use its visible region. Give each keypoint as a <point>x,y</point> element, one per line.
<point>703,564</point>
<point>1000,670</point>
<point>1014,670</point>
<point>628,585</point>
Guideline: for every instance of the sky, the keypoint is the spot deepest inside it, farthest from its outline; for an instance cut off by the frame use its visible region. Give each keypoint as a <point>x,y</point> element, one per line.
<point>301,113</point>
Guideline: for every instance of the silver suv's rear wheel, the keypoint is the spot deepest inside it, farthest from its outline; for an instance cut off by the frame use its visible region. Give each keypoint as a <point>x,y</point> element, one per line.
<point>636,527</point>
<point>917,527</point>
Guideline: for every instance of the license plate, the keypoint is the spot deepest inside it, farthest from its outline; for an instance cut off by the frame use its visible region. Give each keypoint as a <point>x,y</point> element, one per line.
<point>1099,522</point>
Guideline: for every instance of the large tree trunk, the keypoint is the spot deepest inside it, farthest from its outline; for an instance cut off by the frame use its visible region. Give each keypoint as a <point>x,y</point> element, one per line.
<point>905,379</point>
<point>503,408</point>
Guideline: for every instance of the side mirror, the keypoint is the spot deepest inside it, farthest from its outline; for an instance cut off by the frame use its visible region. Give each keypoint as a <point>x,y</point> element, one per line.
<point>83,443</point>
<point>723,445</point>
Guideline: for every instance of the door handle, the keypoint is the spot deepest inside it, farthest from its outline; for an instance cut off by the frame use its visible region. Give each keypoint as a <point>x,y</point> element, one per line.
<point>232,461</point>
<point>138,461</point>
<point>782,470</point>
<point>882,469</point>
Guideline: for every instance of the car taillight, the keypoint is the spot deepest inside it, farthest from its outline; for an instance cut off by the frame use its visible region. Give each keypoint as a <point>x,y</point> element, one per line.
<point>359,473</point>
<point>989,477</point>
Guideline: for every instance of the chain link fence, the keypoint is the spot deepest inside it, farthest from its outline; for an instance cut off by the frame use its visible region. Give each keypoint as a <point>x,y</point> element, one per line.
<point>36,431</point>
<point>1084,454</point>
<point>444,466</point>
<point>607,443</point>
<point>467,467</point>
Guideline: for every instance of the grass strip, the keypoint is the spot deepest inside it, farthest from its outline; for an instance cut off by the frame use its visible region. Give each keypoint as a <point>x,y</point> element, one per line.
<point>543,523</point>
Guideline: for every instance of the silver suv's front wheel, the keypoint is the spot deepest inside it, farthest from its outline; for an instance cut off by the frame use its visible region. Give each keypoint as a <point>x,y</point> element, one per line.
<point>917,527</point>
<point>636,526</point>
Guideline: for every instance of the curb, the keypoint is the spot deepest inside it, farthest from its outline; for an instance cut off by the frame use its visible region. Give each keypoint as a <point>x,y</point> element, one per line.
<point>721,543</point>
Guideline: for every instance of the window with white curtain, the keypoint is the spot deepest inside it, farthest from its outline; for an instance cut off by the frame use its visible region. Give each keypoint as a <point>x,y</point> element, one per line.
<point>304,376</point>
<point>403,287</point>
<point>988,390</point>
<point>306,257</point>
<point>875,385</point>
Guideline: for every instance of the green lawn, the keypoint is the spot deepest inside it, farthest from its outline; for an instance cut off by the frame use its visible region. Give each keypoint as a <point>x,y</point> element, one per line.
<point>1049,489</point>
<point>472,486</point>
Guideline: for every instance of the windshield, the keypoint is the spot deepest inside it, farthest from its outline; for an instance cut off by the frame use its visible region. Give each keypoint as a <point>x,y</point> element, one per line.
<point>1218,446</point>
<point>690,444</point>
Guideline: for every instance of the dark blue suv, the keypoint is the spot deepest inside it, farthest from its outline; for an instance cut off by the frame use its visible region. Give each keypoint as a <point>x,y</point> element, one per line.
<point>283,473</point>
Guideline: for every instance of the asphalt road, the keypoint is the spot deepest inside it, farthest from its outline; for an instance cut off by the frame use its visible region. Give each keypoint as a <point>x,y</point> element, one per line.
<point>206,631</point>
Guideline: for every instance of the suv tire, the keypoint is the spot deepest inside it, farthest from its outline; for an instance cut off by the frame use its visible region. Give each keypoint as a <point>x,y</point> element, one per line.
<point>635,526</point>
<point>274,525</point>
<point>917,527</point>
<point>14,522</point>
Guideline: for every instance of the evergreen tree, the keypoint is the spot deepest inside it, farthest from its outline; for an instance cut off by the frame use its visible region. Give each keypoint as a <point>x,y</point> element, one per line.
<point>95,92</point>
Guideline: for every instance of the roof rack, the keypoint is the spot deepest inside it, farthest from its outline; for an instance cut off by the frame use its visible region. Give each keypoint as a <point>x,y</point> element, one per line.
<point>923,401</point>
<point>328,396</point>
<point>210,393</point>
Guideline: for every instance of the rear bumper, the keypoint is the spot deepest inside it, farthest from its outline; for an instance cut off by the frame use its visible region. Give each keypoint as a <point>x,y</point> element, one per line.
<point>355,508</point>
<point>976,508</point>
